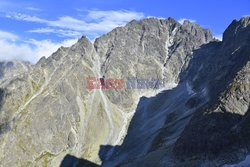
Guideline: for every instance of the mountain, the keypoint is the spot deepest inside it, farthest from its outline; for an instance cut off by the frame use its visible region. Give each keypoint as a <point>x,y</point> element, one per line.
<point>198,117</point>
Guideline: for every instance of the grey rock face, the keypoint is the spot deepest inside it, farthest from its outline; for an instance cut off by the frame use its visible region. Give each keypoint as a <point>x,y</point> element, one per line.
<point>47,112</point>
<point>214,128</point>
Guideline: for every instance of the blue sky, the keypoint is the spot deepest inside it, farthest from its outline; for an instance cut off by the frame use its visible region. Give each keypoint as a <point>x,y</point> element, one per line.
<point>36,28</point>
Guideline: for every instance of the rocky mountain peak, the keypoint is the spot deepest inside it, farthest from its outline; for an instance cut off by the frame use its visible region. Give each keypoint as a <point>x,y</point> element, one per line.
<point>49,112</point>
<point>245,21</point>
<point>237,30</point>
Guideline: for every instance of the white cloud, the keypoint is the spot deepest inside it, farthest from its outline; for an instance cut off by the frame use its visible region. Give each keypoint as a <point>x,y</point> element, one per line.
<point>94,22</point>
<point>31,50</point>
<point>59,32</point>
<point>47,47</point>
<point>181,21</point>
<point>24,17</point>
<point>118,17</point>
<point>13,51</point>
<point>43,30</point>
<point>219,37</point>
<point>7,36</point>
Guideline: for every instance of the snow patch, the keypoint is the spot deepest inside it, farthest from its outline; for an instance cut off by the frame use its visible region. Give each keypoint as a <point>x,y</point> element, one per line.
<point>189,89</point>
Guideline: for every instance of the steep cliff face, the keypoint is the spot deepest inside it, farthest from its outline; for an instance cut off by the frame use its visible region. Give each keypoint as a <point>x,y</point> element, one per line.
<point>213,132</point>
<point>47,111</point>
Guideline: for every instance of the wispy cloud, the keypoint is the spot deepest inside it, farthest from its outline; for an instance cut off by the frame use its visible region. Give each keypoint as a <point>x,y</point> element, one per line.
<point>25,17</point>
<point>79,10</point>
<point>10,5</point>
<point>13,48</point>
<point>8,36</point>
<point>94,22</point>
<point>33,9</point>
<point>58,32</point>
<point>13,51</point>
<point>218,36</point>
<point>181,21</point>
<point>46,47</point>
<point>118,17</point>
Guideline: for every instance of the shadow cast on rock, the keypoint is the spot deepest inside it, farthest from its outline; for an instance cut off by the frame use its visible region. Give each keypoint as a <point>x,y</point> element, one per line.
<point>72,161</point>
